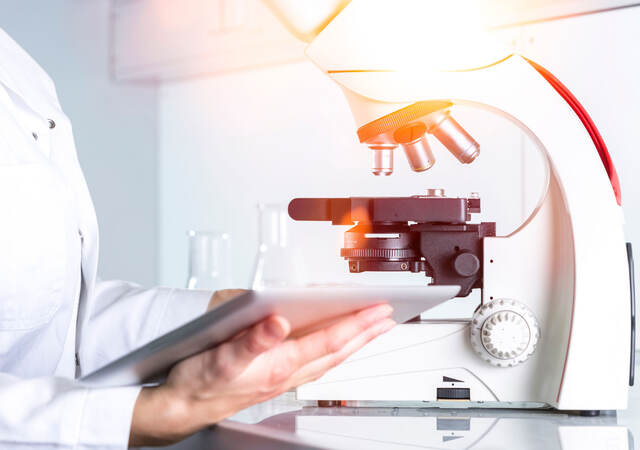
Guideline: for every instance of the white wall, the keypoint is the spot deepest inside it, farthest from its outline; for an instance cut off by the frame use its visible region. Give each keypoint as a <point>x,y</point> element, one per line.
<point>230,141</point>
<point>114,124</point>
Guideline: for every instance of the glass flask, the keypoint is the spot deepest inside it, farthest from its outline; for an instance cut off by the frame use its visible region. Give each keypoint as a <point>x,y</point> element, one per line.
<point>209,260</point>
<point>278,264</point>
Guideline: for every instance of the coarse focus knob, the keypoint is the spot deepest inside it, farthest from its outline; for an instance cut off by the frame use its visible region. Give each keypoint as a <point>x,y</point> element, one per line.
<point>504,332</point>
<point>466,264</point>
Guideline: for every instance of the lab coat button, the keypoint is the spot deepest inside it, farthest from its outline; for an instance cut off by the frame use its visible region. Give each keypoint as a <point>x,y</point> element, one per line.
<point>52,124</point>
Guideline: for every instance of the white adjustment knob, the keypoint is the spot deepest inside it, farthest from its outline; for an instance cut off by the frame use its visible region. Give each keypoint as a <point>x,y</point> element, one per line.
<point>504,332</point>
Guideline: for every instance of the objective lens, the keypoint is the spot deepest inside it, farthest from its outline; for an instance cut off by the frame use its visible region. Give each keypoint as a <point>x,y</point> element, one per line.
<point>382,162</point>
<point>419,154</point>
<point>415,145</point>
<point>454,137</point>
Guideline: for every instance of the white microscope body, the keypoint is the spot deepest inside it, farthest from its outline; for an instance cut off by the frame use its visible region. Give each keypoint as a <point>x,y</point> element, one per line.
<point>555,322</point>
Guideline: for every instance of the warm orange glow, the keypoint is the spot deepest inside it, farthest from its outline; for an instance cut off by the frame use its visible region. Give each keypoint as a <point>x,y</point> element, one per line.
<point>364,217</point>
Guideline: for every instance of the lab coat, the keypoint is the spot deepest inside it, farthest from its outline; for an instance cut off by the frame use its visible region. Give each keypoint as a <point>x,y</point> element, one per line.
<point>57,320</point>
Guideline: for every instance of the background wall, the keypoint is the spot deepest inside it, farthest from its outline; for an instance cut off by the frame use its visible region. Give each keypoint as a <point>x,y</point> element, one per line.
<point>114,124</point>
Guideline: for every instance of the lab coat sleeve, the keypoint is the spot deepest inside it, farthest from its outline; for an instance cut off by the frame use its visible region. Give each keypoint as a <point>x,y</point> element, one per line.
<point>57,412</point>
<point>125,316</point>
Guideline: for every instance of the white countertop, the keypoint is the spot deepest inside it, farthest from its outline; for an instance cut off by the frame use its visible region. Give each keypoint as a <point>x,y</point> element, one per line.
<point>284,423</point>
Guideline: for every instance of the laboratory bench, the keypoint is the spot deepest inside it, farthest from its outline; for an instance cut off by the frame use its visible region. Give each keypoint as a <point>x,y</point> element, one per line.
<point>287,424</point>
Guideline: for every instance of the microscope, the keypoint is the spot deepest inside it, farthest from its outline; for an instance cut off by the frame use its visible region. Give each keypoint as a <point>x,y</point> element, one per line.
<point>555,324</point>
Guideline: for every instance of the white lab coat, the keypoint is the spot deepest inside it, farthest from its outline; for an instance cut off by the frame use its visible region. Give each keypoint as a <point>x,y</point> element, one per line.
<point>53,310</point>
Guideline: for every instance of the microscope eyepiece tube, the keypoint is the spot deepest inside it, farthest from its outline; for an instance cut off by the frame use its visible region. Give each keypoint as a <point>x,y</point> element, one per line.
<point>382,161</point>
<point>455,138</point>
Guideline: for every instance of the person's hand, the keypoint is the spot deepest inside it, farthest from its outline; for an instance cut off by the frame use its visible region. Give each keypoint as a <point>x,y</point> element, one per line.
<point>222,296</point>
<point>256,365</point>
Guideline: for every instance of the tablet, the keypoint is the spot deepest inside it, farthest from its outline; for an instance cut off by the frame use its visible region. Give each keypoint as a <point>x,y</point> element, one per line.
<point>305,308</point>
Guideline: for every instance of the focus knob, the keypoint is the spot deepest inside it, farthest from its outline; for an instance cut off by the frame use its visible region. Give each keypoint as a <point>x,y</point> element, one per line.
<point>504,332</point>
<point>466,264</point>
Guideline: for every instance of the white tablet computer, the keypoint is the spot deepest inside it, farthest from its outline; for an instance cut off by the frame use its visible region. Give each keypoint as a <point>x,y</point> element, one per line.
<point>305,308</point>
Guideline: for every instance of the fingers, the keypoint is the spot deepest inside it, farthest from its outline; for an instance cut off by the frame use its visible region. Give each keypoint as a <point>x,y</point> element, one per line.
<point>222,296</point>
<point>232,358</point>
<point>317,368</point>
<point>332,339</point>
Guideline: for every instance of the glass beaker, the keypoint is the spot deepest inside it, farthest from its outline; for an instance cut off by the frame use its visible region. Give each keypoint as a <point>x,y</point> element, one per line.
<point>278,264</point>
<point>209,260</point>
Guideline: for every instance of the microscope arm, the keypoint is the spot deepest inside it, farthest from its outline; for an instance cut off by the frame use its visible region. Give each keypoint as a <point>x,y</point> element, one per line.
<point>586,120</point>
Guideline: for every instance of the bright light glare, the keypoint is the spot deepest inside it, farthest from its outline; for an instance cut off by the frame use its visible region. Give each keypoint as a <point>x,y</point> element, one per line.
<point>408,35</point>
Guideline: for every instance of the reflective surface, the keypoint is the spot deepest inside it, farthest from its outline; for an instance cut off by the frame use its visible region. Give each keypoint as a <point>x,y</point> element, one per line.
<point>403,428</point>
<point>284,423</point>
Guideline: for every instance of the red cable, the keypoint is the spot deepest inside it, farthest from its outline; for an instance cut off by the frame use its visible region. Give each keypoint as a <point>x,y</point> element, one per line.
<point>588,123</point>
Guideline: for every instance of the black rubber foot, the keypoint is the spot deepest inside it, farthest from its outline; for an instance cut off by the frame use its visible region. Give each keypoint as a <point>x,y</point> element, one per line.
<point>329,403</point>
<point>590,413</point>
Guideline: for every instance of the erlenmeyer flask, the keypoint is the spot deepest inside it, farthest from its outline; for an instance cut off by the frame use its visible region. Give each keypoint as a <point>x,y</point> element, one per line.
<point>209,260</point>
<point>278,264</point>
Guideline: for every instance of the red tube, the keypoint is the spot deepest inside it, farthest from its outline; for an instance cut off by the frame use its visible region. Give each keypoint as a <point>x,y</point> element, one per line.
<point>586,120</point>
